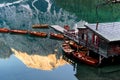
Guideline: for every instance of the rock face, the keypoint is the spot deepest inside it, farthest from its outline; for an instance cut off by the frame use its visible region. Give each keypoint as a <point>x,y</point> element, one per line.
<point>40,62</point>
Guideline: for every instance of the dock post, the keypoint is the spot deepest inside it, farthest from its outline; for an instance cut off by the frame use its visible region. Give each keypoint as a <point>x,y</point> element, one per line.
<point>56,53</point>
<point>88,53</point>
<point>113,58</point>
<point>100,59</point>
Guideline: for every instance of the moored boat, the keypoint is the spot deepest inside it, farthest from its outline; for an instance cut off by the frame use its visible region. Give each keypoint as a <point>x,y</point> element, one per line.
<point>56,36</point>
<point>67,49</point>
<point>40,26</point>
<point>84,58</point>
<point>78,55</point>
<point>75,45</point>
<point>18,31</point>
<point>4,30</point>
<point>38,34</point>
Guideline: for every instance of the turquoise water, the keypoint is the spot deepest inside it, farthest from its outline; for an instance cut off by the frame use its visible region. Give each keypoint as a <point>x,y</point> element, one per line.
<point>24,57</point>
<point>88,10</point>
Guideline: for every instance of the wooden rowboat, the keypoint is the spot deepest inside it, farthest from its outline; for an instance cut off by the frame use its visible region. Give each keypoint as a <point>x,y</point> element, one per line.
<point>76,46</point>
<point>18,31</point>
<point>56,36</point>
<point>81,56</point>
<point>67,49</point>
<point>78,55</point>
<point>40,26</point>
<point>38,34</point>
<point>4,30</point>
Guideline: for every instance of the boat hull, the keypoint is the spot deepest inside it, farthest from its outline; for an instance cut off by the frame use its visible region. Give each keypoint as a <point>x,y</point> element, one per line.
<point>18,31</point>
<point>40,26</point>
<point>85,59</point>
<point>38,34</point>
<point>78,55</point>
<point>67,49</point>
<point>4,30</point>
<point>56,36</point>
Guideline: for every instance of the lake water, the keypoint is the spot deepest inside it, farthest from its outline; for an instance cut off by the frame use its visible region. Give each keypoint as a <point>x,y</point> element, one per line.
<point>24,57</point>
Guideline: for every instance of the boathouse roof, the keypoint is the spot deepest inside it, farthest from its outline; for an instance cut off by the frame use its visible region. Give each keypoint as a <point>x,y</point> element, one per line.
<point>80,24</point>
<point>58,28</point>
<point>109,31</point>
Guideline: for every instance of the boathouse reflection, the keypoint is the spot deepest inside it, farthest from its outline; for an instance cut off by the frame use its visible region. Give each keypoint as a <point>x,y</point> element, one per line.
<point>86,72</point>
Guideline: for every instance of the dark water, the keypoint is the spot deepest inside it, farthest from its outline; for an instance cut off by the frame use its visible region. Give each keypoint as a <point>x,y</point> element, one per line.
<point>24,57</point>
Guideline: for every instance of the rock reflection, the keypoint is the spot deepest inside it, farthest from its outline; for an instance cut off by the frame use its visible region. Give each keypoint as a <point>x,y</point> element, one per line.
<point>48,62</point>
<point>5,50</point>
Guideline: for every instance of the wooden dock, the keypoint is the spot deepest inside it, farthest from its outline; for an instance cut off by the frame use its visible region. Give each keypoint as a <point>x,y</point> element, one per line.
<point>65,32</point>
<point>58,28</point>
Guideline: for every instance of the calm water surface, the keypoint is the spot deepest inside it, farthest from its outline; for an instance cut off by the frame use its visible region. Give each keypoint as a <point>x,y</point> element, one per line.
<point>14,69</point>
<point>17,67</point>
<point>24,57</point>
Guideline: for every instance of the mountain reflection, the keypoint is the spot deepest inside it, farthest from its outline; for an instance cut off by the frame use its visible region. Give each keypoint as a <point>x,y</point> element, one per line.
<point>48,62</point>
<point>5,50</point>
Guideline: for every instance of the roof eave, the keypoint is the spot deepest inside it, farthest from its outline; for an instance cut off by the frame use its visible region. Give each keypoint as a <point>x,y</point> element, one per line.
<point>97,33</point>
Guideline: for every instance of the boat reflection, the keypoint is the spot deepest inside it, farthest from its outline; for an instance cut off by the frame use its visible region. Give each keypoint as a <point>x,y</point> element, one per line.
<point>85,72</point>
<point>48,62</point>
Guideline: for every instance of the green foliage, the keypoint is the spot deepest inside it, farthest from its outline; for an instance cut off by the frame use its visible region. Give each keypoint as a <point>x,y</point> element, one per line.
<point>88,10</point>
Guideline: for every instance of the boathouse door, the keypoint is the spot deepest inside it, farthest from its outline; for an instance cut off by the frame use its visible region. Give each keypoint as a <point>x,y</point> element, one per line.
<point>83,37</point>
<point>95,40</point>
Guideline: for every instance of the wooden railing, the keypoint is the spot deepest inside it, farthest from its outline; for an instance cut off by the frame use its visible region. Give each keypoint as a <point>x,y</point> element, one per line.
<point>114,50</point>
<point>71,35</point>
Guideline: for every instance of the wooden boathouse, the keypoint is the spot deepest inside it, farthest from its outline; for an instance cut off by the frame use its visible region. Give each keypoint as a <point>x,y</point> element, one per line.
<point>102,38</point>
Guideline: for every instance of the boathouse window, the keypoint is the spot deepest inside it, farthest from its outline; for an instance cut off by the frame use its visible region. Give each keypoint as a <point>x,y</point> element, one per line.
<point>95,39</point>
<point>66,27</point>
<point>84,36</point>
<point>114,47</point>
<point>103,47</point>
